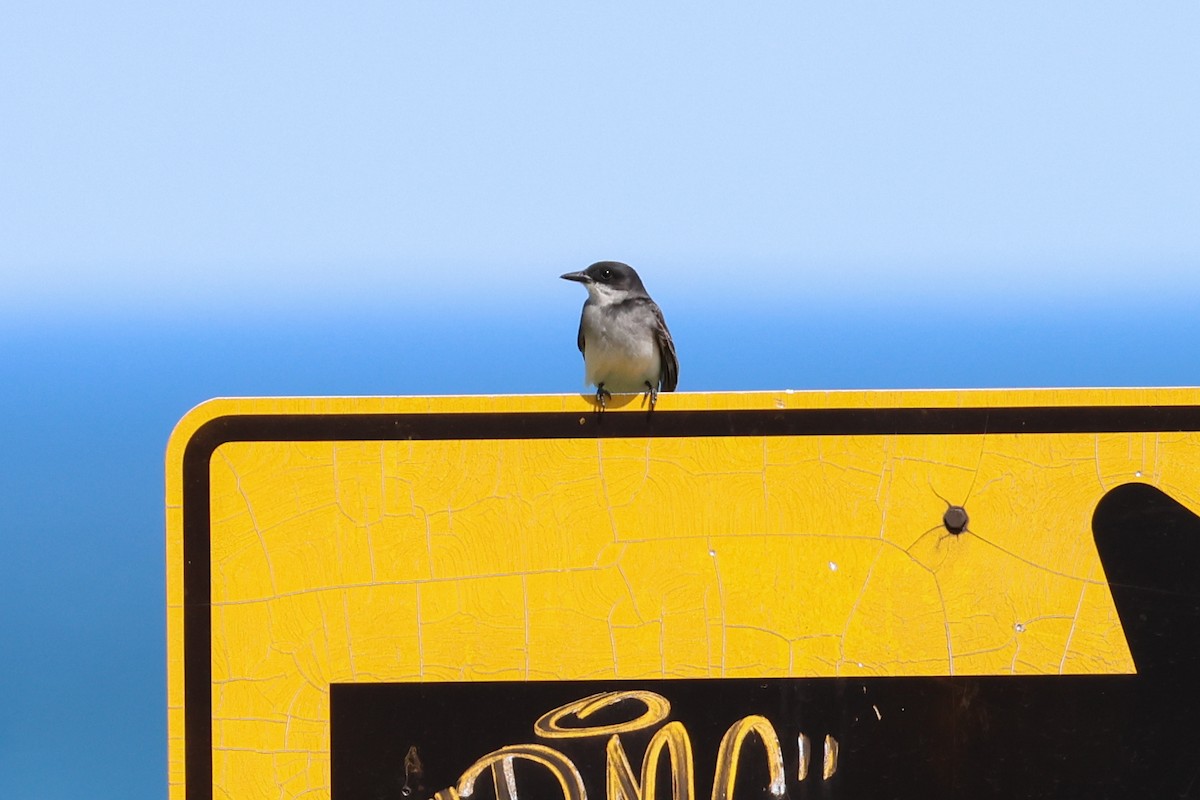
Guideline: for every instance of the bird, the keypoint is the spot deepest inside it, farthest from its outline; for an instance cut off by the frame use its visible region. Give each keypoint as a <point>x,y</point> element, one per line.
<point>623,337</point>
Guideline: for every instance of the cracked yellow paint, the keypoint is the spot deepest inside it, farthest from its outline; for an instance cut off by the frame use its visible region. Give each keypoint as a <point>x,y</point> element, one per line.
<point>639,558</point>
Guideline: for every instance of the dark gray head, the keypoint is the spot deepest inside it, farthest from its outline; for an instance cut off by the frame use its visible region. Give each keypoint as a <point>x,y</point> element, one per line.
<point>608,277</point>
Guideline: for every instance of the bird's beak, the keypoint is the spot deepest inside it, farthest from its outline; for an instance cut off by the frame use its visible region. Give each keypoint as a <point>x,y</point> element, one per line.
<point>581,277</point>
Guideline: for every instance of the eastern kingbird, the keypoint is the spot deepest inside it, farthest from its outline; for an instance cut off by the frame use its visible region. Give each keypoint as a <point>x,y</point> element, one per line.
<point>624,340</point>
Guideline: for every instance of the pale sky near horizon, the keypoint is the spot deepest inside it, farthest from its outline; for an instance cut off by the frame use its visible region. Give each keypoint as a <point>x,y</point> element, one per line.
<point>284,156</point>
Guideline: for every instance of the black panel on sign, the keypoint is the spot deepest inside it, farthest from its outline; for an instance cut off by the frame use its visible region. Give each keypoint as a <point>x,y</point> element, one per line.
<point>929,738</point>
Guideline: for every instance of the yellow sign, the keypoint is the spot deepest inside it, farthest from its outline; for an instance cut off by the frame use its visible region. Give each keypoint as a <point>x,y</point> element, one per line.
<point>341,542</point>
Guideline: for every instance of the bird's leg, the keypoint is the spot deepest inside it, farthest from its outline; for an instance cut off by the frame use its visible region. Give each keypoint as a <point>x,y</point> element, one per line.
<point>652,390</point>
<point>602,396</point>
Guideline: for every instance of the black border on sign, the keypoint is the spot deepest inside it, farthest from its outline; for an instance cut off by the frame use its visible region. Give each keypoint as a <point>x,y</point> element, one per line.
<point>197,551</point>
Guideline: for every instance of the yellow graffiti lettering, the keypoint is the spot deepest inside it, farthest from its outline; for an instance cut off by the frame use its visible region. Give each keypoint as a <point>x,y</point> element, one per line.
<point>559,765</point>
<point>673,738</point>
<point>803,745</point>
<point>549,726</point>
<point>731,750</point>
<point>504,778</point>
<point>829,765</point>
<point>622,783</point>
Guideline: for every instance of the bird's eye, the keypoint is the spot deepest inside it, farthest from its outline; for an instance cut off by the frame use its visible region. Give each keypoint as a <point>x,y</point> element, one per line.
<point>606,274</point>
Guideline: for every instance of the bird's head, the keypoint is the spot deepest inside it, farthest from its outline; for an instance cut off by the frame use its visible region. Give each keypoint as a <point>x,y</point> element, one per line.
<point>609,281</point>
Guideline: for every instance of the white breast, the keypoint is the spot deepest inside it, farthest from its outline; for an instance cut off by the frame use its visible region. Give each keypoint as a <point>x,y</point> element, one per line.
<point>623,360</point>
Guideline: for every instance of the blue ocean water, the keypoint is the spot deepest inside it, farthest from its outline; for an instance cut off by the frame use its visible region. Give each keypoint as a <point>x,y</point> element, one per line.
<point>86,411</point>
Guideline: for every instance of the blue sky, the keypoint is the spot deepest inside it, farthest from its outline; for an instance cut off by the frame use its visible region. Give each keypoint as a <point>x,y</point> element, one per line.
<point>295,199</point>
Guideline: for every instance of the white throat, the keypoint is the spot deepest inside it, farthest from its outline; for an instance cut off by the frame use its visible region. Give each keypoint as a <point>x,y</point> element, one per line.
<point>604,295</point>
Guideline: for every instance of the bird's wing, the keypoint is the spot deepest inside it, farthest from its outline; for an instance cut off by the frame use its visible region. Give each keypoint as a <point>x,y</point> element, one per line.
<point>579,338</point>
<point>669,377</point>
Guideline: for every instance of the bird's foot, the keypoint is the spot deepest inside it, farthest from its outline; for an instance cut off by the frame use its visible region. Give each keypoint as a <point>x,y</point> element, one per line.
<point>652,391</point>
<point>602,398</point>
